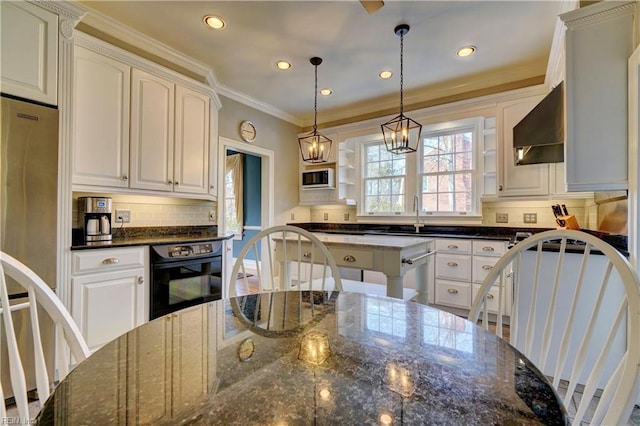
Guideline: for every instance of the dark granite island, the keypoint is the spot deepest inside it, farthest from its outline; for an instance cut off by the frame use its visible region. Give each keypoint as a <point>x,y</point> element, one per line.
<point>349,359</point>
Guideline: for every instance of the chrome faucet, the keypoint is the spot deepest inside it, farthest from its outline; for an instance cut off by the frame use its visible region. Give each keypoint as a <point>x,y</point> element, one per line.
<point>416,225</point>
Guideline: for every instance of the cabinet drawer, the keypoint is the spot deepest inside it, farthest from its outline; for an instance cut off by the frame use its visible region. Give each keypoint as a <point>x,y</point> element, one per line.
<point>107,259</point>
<point>451,245</point>
<point>355,258</point>
<point>482,265</point>
<point>451,293</point>
<point>489,248</point>
<point>492,298</point>
<point>362,259</point>
<point>453,266</point>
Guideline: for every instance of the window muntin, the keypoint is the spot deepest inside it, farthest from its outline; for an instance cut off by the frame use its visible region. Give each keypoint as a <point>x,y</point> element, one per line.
<point>447,172</point>
<point>384,179</point>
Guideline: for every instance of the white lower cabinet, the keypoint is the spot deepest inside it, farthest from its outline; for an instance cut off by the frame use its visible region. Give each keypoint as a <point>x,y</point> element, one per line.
<point>461,266</point>
<point>109,292</point>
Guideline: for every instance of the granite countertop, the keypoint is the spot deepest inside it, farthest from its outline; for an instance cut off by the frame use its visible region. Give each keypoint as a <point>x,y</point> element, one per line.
<point>500,233</point>
<point>352,359</point>
<point>126,237</point>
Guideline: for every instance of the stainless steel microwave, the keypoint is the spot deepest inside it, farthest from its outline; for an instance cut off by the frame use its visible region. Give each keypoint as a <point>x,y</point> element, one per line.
<point>318,179</point>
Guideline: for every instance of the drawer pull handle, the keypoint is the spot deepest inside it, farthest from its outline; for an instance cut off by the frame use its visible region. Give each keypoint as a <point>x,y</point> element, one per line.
<point>452,264</point>
<point>349,258</point>
<point>307,255</point>
<point>489,296</point>
<point>140,280</point>
<point>452,290</point>
<point>487,248</point>
<point>111,260</point>
<point>452,246</point>
<point>487,267</point>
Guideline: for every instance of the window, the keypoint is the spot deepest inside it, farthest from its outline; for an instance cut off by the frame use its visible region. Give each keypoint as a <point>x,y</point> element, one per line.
<point>447,172</point>
<point>443,173</point>
<point>384,179</point>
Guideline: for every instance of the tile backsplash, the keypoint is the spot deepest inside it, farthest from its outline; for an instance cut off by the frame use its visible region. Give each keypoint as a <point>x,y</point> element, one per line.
<point>584,209</point>
<point>155,211</point>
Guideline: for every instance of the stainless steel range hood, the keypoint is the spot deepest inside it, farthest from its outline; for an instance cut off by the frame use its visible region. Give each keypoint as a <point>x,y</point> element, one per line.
<point>539,136</point>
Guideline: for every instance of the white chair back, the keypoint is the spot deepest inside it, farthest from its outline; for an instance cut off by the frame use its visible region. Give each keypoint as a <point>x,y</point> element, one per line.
<point>300,262</point>
<point>576,315</point>
<point>38,295</point>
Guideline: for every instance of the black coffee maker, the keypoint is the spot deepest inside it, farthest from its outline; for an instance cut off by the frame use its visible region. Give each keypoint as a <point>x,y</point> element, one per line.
<point>94,216</point>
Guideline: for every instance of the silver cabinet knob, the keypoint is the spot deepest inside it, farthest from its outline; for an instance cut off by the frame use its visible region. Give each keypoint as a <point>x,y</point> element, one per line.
<point>140,280</point>
<point>125,178</point>
<point>170,182</point>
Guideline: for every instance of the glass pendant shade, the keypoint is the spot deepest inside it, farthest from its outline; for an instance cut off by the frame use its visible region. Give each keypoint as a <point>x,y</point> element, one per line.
<point>401,134</point>
<point>315,147</point>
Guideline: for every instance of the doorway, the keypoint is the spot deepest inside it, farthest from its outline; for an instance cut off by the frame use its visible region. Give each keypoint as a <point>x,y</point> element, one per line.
<point>259,186</point>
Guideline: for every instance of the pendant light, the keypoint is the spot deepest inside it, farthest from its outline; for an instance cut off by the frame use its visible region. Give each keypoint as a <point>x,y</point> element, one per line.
<point>401,134</point>
<point>315,147</point>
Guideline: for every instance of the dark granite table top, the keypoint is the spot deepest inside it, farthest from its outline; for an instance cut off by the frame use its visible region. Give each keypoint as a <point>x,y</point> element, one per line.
<point>344,359</point>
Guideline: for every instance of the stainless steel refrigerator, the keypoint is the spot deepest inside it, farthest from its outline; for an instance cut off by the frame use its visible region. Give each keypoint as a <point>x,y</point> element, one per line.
<point>28,204</point>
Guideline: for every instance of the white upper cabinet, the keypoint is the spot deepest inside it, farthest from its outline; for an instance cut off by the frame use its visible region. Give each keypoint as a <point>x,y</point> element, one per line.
<point>29,52</point>
<point>101,120</point>
<point>599,42</point>
<point>139,127</point>
<point>152,131</point>
<point>525,180</point>
<point>191,152</point>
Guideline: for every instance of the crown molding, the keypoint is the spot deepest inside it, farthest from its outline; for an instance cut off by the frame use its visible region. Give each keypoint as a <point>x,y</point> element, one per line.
<point>597,11</point>
<point>65,9</point>
<point>257,104</point>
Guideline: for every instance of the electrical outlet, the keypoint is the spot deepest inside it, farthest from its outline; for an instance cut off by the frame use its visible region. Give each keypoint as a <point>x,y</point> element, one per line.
<point>123,216</point>
<point>346,216</point>
<point>326,216</point>
<point>530,218</point>
<point>502,218</point>
<point>212,215</point>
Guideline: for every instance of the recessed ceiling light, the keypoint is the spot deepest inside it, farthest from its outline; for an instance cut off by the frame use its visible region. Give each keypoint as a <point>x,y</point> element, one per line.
<point>326,92</point>
<point>385,74</point>
<point>215,22</point>
<point>283,65</point>
<point>465,51</point>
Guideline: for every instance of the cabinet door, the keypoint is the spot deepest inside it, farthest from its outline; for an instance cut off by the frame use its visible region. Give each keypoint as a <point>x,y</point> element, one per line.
<point>107,305</point>
<point>152,131</point>
<point>101,120</point>
<point>191,152</point>
<point>599,41</point>
<point>531,179</point>
<point>190,365</point>
<point>29,52</point>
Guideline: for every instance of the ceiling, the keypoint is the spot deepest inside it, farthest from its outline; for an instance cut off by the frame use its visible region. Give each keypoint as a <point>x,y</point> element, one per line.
<point>513,40</point>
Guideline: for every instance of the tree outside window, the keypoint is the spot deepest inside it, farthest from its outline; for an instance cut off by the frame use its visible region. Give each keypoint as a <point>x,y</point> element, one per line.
<point>384,180</point>
<point>447,172</point>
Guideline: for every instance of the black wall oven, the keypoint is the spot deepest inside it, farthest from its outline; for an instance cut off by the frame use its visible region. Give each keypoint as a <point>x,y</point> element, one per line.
<point>184,275</point>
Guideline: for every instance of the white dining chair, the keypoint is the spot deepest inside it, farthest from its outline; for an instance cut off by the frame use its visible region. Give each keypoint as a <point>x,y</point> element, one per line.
<point>38,295</point>
<point>575,314</point>
<point>301,262</point>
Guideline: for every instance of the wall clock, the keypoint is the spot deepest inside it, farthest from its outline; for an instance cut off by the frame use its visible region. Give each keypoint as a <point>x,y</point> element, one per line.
<point>248,131</point>
<point>246,350</point>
